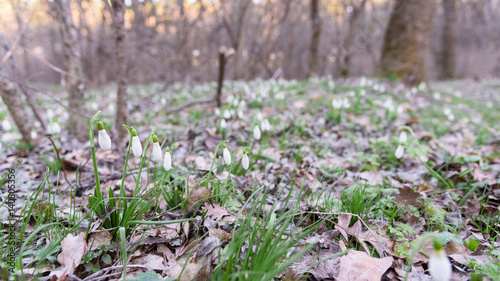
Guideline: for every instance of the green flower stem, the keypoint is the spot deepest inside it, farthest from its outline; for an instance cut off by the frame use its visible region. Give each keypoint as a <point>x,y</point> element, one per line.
<point>233,160</point>
<point>97,191</point>
<point>215,154</point>
<point>146,144</point>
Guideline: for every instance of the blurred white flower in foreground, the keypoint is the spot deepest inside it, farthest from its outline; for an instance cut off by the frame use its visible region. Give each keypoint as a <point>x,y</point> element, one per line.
<point>256,132</point>
<point>439,264</point>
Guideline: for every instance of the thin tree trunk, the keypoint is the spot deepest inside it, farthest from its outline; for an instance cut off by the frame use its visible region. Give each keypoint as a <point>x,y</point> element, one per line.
<point>14,103</point>
<point>74,73</point>
<point>351,33</point>
<point>448,51</point>
<point>121,96</point>
<point>315,36</point>
<point>407,39</point>
<point>220,80</point>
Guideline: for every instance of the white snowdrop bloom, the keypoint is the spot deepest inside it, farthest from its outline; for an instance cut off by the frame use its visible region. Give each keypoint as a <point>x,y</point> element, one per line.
<point>226,155</point>
<point>266,126</point>
<point>243,104</point>
<point>446,111</point>
<point>345,103</point>
<point>241,115</point>
<point>136,144</point>
<point>6,126</point>
<point>376,87</point>
<point>279,96</point>
<point>236,102</point>
<point>256,132</point>
<point>245,162</point>
<point>363,93</point>
<point>408,94</point>
<point>362,81</point>
<point>458,94</point>
<point>259,99</point>
<point>157,155</point>
<point>163,101</point>
<point>352,93</point>
<point>437,96</point>
<point>451,117</point>
<point>229,98</point>
<point>400,151</point>
<point>337,103</point>
<point>414,90</point>
<point>259,116</point>
<point>223,123</point>
<point>217,112</point>
<point>104,139</point>
<point>226,114</point>
<point>54,128</point>
<point>439,264</point>
<point>233,113</point>
<point>331,84</point>
<point>50,114</point>
<point>2,147</point>
<point>167,161</point>
<point>34,134</point>
<point>489,104</point>
<point>422,86</point>
<point>403,137</point>
<point>400,109</point>
<point>382,89</point>
<point>94,106</point>
<point>369,82</point>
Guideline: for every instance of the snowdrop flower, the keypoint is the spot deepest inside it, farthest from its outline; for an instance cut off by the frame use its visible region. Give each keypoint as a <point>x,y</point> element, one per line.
<point>403,137</point>
<point>223,123</point>
<point>437,96</point>
<point>1,148</point>
<point>345,103</point>
<point>136,144</point>
<point>337,104</point>
<point>352,93</point>
<point>226,155</point>
<point>217,112</point>
<point>400,151</point>
<point>243,104</point>
<point>451,116</point>
<point>413,90</point>
<point>50,114</point>
<point>446,111</point>
<point>400,109</point>
<point>381,89</point>
<point>362,81</point>
<point>363,93</point>
<point>34,134</point>
<point>245,162</point>
<point>422,86</point>
<point>156,149</point>
<point>376,87</point>
<point>167,161</point>
<point>236,102</point>
<point>259,116</point>
<point>104,139</point>
<point>256,132</point>
<point>439,264</point>
<point>226,114</point>
<point>266,126</point>
<point>241,115</point>
<point>54,128</point>
<point>6,126</point>
<point>489,104</point>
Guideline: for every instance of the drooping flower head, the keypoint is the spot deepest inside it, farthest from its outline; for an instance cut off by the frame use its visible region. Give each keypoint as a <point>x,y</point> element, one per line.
<point>136,144</point>
<point>156,149</point>
<point>439,264</point>
<point>245,162</point>
<point>167,161</point>
<point>226,154</point>
<point>104,139</point>
<point>256,132</point>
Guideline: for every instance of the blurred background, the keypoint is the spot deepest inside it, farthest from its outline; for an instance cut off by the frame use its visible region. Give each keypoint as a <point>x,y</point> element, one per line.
<point>179,40</point>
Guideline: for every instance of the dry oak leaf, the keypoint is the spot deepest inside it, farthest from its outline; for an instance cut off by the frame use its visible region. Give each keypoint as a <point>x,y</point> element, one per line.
<point>360,266</point>
<point>407,196</point>
<point>98,239</point>
<point>379,241</point>
<point>73,249</point>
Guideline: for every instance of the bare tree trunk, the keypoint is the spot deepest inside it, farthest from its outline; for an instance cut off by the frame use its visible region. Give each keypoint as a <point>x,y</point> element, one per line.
<point>351,33</point>
<point>220,80</point>
<point>14,103</point>
<point>315,36</point>
<point>407,40</point>
<point>448,51</point>
<point>121,96</point>
<point>74,73</point>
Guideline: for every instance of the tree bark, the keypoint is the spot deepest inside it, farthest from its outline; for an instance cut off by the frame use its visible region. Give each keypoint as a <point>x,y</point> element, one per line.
<point>74,72</point>
<point>351,33</point>
<point>315,36</point>
<point>407,40</point>
<point>448,39</point>
<point>121,96</point>
<point>14,103</point>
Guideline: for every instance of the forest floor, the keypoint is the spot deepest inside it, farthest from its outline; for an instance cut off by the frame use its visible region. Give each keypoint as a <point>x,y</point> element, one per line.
<point>324,197</point>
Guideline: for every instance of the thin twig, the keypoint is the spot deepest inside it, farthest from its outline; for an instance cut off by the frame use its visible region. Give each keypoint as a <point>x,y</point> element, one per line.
<point>101,272</point>
<point>190,103</point>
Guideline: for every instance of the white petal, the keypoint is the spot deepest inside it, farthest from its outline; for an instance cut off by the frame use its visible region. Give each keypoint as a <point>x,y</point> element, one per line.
<point>400,151</point>
<point>167,162</point>
<point>227,156</point>
<point>223,123</point>
<point>256,132</point>
<point>245,162</point>
<point>136,146</point>
<point>440,267</point>
<point>104,140</point>
<point>226,114</point>
<point>403,137</point>
<point>157,151</point>
<point>6,126</point>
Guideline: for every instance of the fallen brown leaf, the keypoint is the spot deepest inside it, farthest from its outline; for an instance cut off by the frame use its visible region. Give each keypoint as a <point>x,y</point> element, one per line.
<point>360,266</point>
